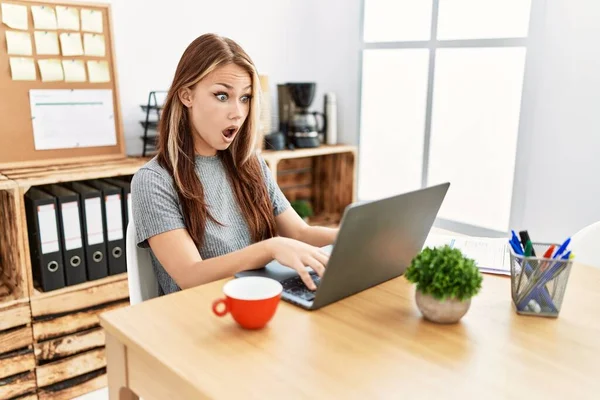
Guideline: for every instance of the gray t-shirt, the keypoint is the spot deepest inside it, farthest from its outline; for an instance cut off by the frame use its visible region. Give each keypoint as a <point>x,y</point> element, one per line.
<point>156,209</point>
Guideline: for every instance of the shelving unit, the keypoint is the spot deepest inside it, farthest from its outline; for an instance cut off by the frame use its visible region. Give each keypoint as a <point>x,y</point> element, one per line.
<point>17,360</point>
<point>325,176</point>
<point>55,346</point>
<point>152,111</point>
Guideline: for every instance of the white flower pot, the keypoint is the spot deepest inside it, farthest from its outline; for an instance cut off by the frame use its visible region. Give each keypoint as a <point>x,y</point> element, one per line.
<point>443,312</point>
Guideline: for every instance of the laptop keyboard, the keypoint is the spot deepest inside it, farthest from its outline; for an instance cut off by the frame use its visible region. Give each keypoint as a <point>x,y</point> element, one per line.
<point>296,286</point>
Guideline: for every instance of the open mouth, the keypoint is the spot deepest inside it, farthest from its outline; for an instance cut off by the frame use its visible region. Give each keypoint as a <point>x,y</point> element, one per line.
<point>230,132</point>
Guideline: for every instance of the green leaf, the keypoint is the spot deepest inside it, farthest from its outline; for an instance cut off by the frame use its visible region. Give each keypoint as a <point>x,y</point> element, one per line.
<point>445,273</point>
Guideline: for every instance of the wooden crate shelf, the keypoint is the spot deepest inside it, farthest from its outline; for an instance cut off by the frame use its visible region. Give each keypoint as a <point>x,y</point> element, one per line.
<point>68,342</point>
<point>71,388</point>
<point>34,176</point>
<point>17,360</point>
<point>14,274</point>
<point>325,176</point>
<point>79,297</point>
<point>51,343</point>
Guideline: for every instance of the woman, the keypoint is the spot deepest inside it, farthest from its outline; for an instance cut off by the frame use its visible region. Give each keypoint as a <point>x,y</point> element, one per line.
<point>207,205</point>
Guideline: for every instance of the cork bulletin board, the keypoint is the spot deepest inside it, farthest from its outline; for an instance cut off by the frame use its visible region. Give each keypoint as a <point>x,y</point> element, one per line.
<point>19,147</point>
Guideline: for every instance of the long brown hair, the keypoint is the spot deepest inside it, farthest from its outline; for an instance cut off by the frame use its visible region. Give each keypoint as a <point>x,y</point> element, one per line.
<point>176,145</point>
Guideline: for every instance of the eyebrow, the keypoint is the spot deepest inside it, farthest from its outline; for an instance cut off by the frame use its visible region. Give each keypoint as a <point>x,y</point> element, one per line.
<point>231,87</point>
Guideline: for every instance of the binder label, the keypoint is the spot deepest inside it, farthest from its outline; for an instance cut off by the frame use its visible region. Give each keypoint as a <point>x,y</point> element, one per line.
<point>93,220</point>
<point>48,228</point>
<point>71,225</point>
<point>114,217</point>
<point>129,211</point>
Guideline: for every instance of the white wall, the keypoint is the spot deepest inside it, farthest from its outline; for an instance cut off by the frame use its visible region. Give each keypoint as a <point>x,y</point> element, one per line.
<point>289,40</point>
<point>560,152</point>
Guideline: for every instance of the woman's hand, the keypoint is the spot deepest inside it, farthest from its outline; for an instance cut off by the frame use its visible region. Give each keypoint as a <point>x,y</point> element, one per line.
<point>298,255</point>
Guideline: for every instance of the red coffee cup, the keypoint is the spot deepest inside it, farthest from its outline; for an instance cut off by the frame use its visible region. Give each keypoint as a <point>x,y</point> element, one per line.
<point>251,301</point>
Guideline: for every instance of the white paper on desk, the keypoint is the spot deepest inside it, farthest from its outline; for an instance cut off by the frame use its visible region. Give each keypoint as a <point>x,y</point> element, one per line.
<point>72,118</point>
<point>91,20</point>
<point>46,43</point>
<point>490,254</point>
<point>74,70</point>
<point>94,44</point>
<point>18,43</point>
<point>71,44</point>
<point>68,18</point>
<point>22,69</point>
<point>15,16</point>
<point>98,71</point>
<point>51,70</point>
<point>44,17</point>
<point>48,228</point>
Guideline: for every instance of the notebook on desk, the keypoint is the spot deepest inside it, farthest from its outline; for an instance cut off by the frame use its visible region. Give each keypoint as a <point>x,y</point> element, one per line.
<point>490,254</point>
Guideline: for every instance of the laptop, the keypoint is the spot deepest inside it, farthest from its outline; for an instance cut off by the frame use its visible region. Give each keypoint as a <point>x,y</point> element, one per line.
<point>376,242</point>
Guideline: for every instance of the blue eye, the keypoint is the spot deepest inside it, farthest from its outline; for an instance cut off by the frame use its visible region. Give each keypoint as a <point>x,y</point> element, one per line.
<point>221,96</point>
<point>246,98</point>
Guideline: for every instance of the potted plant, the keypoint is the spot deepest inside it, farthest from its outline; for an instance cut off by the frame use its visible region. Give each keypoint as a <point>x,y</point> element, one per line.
<point>303,208</point>
<point>446,281</point>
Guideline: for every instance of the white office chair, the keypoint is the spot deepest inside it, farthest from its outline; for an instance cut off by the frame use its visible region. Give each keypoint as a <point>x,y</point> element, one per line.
<point>141,279</point>
<point>585,244</point>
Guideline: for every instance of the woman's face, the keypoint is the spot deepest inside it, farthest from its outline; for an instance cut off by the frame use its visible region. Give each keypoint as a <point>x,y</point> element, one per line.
<point>218,106</point>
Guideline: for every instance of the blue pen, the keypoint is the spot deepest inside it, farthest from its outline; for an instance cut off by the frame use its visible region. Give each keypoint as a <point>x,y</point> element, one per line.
<point>517,243</point>
<point>562,248</point>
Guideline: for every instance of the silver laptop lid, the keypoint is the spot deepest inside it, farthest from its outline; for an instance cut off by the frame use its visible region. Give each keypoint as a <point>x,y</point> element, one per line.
<point>377,241</point>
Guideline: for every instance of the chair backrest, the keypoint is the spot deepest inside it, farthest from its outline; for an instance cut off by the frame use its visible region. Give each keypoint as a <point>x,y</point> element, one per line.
<point>141,279</point>
<point>585,245</point>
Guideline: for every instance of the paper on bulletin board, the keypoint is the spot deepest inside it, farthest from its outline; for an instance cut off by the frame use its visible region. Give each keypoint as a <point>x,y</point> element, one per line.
<point>68,18</point>
<point>22,69</point>
<point>93,45</point>
<point>51,70</point>
<point>46,43</point>
<point>74,70</point>
<point>91,20</point>
<point>18,43</point>
<point>72,118</point>
<point>15,16</point>
<point>71,44</point>
<point>44,17</point>
<point>98,71</point>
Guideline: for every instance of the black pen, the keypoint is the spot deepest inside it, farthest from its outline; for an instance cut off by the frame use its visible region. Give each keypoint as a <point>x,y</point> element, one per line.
<point>524,235</point>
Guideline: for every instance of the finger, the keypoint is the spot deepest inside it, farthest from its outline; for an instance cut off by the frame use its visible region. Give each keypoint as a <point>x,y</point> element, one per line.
<point>321,257</point>
<point>315,264</point>
<point>304,275</point>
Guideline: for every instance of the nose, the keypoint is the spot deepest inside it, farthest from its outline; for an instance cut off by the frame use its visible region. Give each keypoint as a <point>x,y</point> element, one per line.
<point>237,111</point>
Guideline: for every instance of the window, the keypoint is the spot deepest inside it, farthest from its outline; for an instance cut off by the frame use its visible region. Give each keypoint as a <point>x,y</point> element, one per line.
<point>440,101</point>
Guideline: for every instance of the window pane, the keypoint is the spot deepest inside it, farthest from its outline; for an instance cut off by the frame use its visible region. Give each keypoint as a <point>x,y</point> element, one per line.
<point>483,19</point>
<point>394,93</point>
<point>397,20</point>
<point>476,104</point>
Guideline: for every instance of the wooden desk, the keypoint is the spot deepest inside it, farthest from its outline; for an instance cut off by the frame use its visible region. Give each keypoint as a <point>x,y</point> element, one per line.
<point>372,345</point>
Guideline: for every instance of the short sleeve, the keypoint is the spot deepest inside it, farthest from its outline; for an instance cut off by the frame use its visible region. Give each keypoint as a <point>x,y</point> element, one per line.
<point>155,205</point>
<point>279,201</point>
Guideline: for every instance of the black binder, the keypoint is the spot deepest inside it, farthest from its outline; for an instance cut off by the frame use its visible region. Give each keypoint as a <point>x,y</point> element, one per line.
<point>113,225</point>
<point>44,244</point>
<point>126,193</point>
<point>90,204</point>
<point>71,237</point>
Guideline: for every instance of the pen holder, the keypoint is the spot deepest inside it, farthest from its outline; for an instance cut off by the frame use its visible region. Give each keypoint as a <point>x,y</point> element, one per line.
<point>538,284</point>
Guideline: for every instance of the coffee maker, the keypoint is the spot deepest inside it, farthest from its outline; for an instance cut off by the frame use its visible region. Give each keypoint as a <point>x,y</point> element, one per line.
<point>301,125</point>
